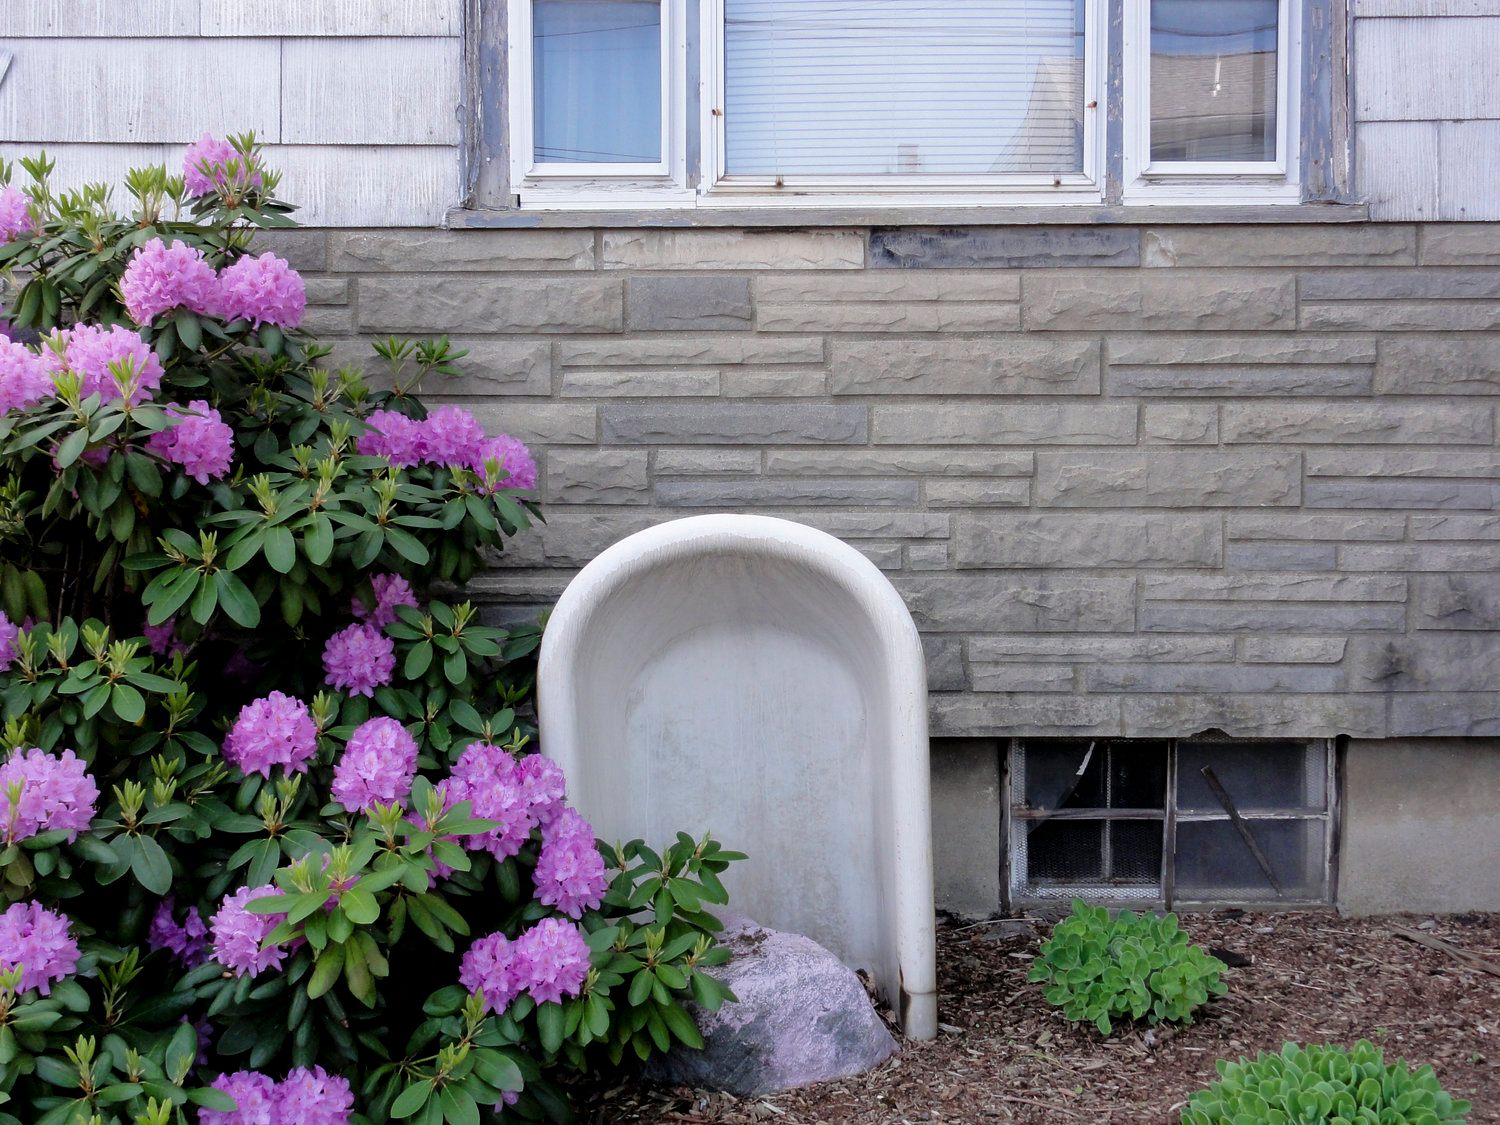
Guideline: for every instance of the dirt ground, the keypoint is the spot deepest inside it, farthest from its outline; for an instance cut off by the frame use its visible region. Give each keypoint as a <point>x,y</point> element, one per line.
<point>1004,1055</point>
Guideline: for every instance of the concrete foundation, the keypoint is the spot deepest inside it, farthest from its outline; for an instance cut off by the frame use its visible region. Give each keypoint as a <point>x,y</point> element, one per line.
<point>966,825</point>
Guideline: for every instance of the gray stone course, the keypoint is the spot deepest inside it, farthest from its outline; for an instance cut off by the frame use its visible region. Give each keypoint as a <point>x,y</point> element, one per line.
<point>1129,479</point>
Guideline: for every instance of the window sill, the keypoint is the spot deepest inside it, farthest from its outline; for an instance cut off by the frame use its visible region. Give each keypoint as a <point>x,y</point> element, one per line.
<point>1071,214</point>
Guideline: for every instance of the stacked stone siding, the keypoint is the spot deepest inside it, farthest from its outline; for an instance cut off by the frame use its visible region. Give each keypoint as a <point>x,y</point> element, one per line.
<point>1131,480</point>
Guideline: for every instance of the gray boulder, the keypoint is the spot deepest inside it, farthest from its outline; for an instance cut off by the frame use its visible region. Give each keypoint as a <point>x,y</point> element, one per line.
<point>802,1016</point>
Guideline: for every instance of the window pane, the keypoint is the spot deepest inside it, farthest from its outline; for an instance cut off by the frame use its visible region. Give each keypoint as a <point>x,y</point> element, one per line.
<point>1257,775</point>
<point>909,87</point>
<point>597,67</point>
<point>1213,80</point>
<point>1214,864</point>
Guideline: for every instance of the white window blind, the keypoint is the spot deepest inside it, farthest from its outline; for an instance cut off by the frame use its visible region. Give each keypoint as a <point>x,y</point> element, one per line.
<point>903,87</point>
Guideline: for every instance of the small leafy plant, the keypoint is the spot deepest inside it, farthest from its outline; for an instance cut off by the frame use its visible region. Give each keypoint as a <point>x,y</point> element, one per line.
<point>1132,966</point>
<point>1322,1083</point>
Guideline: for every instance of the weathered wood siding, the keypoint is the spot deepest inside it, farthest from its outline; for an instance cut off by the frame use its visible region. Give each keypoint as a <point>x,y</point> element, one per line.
<point>358,100</point>
<point>1427,107</point>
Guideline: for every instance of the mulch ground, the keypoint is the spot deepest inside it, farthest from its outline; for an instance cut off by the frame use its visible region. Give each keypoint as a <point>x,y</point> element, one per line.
<point>1004,1055</point>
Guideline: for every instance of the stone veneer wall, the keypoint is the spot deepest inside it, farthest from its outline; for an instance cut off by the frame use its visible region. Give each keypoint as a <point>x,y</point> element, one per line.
<point>1131,480</point>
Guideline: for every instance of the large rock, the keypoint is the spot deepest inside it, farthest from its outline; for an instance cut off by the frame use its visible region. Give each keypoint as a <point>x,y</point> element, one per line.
<point>802,1016</point>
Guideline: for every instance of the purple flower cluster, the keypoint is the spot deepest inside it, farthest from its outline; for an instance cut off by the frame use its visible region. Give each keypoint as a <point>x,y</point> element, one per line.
<point>37,940</point>
<point>378,764</point>
<point>450,436</point>
<point>306,1097</point>
<point>24,379</point>
<point>161,277</point>
<point>90,351</point>
<point>56,794</point>
<point>163,639</point>
<point>391,591</point>
<point>206,165</point>
<point>359,659</point>
<point>187,942</point>
<point>263,290</point>
<point>15,214</point>
<point>200,441</point>
<point>275,731</point>
<point>548,961</point>
<point>238,934</point>
<point>499,788</point>
<point>570,871</point>
<point>9,631</point>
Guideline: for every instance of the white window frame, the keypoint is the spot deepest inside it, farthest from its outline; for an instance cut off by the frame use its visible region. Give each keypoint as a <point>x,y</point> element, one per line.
<point>722,189</point>
<point>538,183</point>
<point>1185,182</point>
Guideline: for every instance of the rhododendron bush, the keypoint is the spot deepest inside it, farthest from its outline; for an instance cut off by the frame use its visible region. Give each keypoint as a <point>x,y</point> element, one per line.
<point>274,843</point>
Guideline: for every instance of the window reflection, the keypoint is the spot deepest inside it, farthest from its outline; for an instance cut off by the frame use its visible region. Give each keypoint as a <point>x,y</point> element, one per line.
<point>1213,80</point>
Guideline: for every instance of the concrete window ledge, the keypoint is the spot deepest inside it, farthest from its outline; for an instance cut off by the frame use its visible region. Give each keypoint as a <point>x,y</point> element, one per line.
<point>802,218</point>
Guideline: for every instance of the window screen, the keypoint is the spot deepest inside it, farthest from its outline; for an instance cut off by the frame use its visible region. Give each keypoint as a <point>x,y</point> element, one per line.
<point>903,87</point>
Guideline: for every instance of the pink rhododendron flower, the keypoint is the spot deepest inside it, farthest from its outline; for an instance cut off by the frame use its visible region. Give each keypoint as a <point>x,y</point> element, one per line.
<point>91,350</point>
<point>206,165</point>
<point>517,466</point>
<point>254,1097</point>
<point>543,786</point>
<point>9,631</point>
<point>391,591</point>
<point>570,871</point>
<point>359,659</point>
<point>15,214</point>
<point>24,379</point>
<point>37,940</point>
<point>187,942</point>
<point>200,442</point>
<point>378,764</point>
<point>488,778</point>
<point>262,290</point>
<point>556,960</point>
<point>394,436</point>
<point>275,731</point>
<point>314,1097</point>
<point>163,639</point>
<point>491,967</point>
<point>238,934</point>
<point>56,794</point>
<point>161,277</point>
<point>450,435</point>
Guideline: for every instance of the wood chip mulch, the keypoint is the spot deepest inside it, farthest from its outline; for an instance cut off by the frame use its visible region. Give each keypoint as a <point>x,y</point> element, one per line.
<point>1003,1054</point>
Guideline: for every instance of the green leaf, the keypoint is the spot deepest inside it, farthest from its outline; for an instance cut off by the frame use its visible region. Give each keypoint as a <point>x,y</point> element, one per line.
<point>459,1107</point>
<point>188,330</point>
<point>407,545</point>
<point>127,703</point>
<point>72,448</point>
<point>413,1098</point>
<point>551,1019</point>
<point>317,541</point>
<point>237,600</point>
<point>150,866</point>
<point>326,971</point>
<point>281,550</point>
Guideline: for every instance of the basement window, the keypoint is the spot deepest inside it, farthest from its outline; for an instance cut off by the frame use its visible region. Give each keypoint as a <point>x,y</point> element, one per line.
<point>1169,822</point>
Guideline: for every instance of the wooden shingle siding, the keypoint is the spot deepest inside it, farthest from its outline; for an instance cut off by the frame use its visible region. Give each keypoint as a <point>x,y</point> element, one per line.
<point>1427,69</point>
<point>357,100</point>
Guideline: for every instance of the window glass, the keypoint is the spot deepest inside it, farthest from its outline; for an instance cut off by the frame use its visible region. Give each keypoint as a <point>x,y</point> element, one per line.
<point>597,75</point>
<point>903,87</point>
<point>1213,80</point>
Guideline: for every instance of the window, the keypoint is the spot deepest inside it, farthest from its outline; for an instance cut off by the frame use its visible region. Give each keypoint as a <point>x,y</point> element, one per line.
<point>1169,822</point>
<point>806,102</point>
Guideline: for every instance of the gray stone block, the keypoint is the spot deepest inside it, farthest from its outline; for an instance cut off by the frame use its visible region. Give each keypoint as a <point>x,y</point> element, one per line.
<point>1439,365</point>
<point>1273,587</point>
<point>1282,556</point>
<point>877,525</point>
<point>1248,716</point>
<point>597,476</point>
<point>984,286</point>
<point>1254,617</point>
<point>1005,714</point>
<point>705,462</point>
<point>1292,650</point>
<point>688,303</point>
<point>304,248</point>
<point>1343,244</point>
<point>1459,601</point>
<point>1180,424</point>
<point>1195,678</point>
<point>327,290</point>
<point>1234,350</point>
<point>928,556</point>
<point>1396,284</point>
<point>698,351</point>
<point>969,423</point>
<point>447,303</point>
<point>1482,463</point>
<point>1418,557</point>
<point>1167,478</point>
<point>964,367</point>
<point>978,493</point>
<point>1387,493</point>
<point>1022,677</point>
<point>887,556</point>
<point>1245,381</point>
<point>1457,714</point>
<point>887,316</point>
<point>1091,650</point>
<point>323,321</point>
<point>734,424</point>
<point>635,382</point>
<point>1455,527</point>
<point>753,249</point>
<point>785,492</point>
<point>774,382</point>
<point>504,366</point>
<point>1357,423</point>
<point>1426,662</point>
<point>895,462</point>
<point>1060,539</point>
<point>945,661</point>
<point>1460,244</point>
<point>1315,528</point>
<point>1003,247</point>
<point>1092,301</point>
<point>1043,603</point>
<point>1401,316</point>
<point>433,251</point>
<point>542,423</point>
